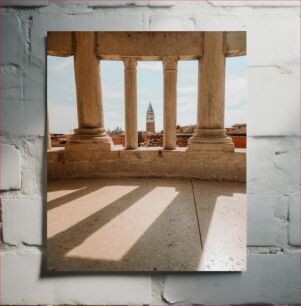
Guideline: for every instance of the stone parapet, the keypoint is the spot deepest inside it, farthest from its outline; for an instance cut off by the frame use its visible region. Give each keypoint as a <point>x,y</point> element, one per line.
<point>229,166</point>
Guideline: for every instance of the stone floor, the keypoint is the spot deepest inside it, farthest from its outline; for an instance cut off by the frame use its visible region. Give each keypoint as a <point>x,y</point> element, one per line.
<point>146,225</point>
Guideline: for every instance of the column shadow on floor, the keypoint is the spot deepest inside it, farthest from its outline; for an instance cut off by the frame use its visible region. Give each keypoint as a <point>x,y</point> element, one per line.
<point>171,243</point>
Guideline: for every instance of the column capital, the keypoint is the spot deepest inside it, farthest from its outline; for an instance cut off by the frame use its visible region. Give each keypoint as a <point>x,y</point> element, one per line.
<point>170,63</point>
<point>130,63</point>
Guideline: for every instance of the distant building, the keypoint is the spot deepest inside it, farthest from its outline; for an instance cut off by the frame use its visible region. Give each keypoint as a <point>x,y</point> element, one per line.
<point>186,129</point>
<point>150,138</point>
<point>238,129</point>
<point>58,140</point>
<point>150,119</point>
<point>238,133</point>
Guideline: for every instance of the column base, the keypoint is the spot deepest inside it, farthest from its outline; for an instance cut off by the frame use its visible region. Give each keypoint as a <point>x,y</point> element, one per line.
<point>217,147</point>
<point>169,148</point>
<point>210,140</point>
<point>89,139</point>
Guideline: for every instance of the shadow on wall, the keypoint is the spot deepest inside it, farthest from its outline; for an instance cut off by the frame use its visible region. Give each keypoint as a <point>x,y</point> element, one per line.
<point>151,227</point>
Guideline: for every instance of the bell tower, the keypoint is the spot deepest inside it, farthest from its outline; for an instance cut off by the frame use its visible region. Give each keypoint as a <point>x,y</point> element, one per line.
<point>150,119</point>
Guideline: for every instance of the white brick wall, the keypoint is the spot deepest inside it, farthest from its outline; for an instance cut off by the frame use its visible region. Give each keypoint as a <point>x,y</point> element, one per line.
<point>10,159</point>
<point>23,219</point>
<point>273,154</point>
<point>264,96</point>
<point>170,23</point>
<point>272,278</point>
<point>12,49</point>
<point>24,3</point>
<point>24,283</point>
<point>294,220</point>
<point>250,3</point>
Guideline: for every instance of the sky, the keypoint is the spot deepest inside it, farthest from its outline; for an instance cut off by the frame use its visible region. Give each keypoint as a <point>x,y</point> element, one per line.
<point>61,94</point>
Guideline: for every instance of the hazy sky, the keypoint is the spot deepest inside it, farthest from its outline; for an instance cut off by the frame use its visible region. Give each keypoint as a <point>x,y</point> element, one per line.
<point>62,98</point>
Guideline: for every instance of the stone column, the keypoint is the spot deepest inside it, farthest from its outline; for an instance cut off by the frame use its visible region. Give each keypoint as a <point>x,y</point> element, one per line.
<point>89,98</point>
<point>170,103</point>
<point>130,97</point>
<point>210,132</point>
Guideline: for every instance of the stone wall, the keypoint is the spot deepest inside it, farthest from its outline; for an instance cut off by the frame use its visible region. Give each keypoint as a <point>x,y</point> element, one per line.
<point>273,164</point>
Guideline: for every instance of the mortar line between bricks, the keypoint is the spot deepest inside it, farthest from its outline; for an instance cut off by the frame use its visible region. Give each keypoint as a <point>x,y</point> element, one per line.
<point>196,212</point>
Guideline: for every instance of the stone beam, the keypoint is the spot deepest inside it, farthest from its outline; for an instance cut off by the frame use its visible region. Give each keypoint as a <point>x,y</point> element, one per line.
<point>235,44</point>
<point>146,45</point>
<point>60,43</point>
<point>149,45</point>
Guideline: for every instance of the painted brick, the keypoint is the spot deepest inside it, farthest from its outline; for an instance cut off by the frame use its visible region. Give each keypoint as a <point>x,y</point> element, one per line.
<point>268,279</point>
<point>22,221</point>
<point>20,274</point>
<point>263,45</point>
<point>278,89</point>
<point>121,22</point>
<point>156,289</point>
<point>273,165</point>
<point>34,105</point>
<point>114,4</point>
<point>79,5</point>
<point>261,223</point>
<point>21,102</point>
<point>12,99</point>
<point>170,23</point>
<point>141,3</point>
<point>246,3</point>
<point>294,220</point>
<point>67,7</point>
<point>24,3</point>
<point>153,3</point>
<point>204,21</point>
<point>22,284</point>
<point>33,150</point>
<point>11,46</point>
<point>10,160</point>
<point>108,4</point>
<point>11,86</point>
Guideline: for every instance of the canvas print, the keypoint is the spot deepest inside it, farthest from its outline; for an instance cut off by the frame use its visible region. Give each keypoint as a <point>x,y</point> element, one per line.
<point>146,151</point>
